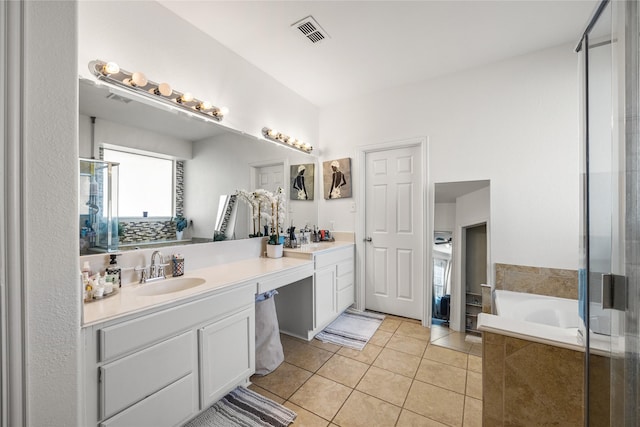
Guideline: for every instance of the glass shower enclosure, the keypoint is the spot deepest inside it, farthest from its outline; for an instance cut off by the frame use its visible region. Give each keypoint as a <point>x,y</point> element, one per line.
<point>610,248</point>
<point>98,206</point>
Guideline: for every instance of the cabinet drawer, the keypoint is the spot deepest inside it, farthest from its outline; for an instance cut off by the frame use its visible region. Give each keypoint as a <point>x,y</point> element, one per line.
<point>171,406</point>
<point>345,298</point>
<point>334,257</point>
<point>135,377</point>
<point>344,281</point>
<point>345,267</point>
<point>125,337</point>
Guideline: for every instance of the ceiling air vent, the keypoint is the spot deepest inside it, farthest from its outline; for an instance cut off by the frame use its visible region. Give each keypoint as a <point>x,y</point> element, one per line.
<point>119,98</point>
<point>310,29</point>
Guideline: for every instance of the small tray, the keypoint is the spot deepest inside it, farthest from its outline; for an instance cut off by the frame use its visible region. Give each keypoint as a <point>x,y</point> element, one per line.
<point>94,299</point>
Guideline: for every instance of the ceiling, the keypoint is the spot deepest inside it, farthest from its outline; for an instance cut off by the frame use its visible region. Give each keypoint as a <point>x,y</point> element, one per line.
<point>374,45</point>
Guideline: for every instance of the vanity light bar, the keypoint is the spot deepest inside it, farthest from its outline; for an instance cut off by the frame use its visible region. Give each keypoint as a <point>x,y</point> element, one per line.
<point>287,141</point>
<point>137,82</point>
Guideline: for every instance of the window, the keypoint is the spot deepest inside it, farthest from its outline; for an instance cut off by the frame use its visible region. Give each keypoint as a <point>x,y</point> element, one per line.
<point>146,184</point>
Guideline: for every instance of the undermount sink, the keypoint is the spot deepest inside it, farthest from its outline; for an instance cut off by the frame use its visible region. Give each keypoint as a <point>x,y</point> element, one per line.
<point>169,285</point>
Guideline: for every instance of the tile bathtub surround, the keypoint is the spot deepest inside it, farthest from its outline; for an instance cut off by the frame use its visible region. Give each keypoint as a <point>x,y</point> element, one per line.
<point>553,282</point>
<point>398,379</point>
<point>528,383</point>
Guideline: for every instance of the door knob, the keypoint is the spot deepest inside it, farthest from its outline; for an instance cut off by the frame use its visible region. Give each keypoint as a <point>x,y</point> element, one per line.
<point>368,239</point>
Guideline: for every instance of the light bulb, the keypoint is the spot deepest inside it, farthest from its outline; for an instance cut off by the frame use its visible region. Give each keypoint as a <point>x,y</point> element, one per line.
<point>272,133</point>
<point>138,79</point>
<point>292,141</point>
<point>224,111</point>
<point>163,89</point>
<point>204,105</point>
<point>110,68</point>
<point>185,97</point>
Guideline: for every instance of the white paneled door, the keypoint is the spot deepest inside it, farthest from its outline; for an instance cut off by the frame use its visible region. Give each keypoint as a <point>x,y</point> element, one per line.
<point>270,177</point>
<point>394,270</point>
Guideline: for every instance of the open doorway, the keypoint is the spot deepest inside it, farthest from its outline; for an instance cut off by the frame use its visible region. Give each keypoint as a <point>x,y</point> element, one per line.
<point>461,218</point>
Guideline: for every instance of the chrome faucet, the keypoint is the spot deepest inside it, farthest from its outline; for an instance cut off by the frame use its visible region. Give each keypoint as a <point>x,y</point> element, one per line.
<point>156,269</point>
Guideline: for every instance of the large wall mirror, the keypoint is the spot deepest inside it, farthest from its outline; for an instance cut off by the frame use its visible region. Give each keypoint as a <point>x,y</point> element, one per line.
<point>209,161</point>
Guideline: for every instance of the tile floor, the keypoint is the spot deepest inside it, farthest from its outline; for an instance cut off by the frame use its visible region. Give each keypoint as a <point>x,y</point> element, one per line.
<point>399,379</point>
<point>445,337</point>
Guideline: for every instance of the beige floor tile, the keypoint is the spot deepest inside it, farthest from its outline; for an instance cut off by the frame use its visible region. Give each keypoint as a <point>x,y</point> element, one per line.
<point>475,363</point>
<point>472,412</point>
<point>367,355</point>
<point>474,385</point>
<point>442,375</point>
<point>390,325</point>
<point>284,381</point>
<point>325,345</point>
<point>380,338</point>
<point>476,350</point>
<point>306,356</point>
<point>436,403</point>
<point>306,418</point>
<point>362,410</point>
<point>414,330</point>
<point>343,370</point>
<point>438,331</point>
<point>410,419</point>
<point>446,355</point>
<point>455,341</point>
<point>407,344</point>
<point>266,393</point>
<point>321,396</point>
<point>385,385</point>
<point>398,362</point>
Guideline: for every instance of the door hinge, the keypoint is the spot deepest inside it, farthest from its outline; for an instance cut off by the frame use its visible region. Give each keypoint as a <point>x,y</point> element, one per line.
<point>614,291</point>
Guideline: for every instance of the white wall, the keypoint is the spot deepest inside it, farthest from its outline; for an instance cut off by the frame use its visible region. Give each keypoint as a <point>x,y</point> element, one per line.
<point>514,123</point>
<point>444,216</point>
<point>144,36</point>
<point>52,291</point>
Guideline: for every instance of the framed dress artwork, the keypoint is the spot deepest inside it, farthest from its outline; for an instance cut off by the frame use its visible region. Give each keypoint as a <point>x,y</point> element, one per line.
<point>336,175</point>
<point>302,179</point>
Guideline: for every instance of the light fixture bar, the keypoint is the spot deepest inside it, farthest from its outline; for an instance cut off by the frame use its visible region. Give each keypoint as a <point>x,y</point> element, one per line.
<point>287,141</point>
<point>138,83</point>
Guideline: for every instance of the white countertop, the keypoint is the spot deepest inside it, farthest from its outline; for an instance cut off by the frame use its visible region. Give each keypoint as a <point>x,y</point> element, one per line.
<point>127,301</point>
<point>313,248</point>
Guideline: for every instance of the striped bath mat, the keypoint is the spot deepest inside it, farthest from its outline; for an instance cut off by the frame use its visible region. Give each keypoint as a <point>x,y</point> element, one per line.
<point>352,328</point>
<point>244,408</point>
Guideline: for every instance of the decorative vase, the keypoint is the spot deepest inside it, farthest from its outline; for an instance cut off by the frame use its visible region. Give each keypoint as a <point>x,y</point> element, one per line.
<point>179,235</point>
<point>274,251</point>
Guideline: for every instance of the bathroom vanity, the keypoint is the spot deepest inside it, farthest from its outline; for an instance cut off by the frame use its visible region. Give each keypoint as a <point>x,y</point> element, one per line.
<point>160,357</point>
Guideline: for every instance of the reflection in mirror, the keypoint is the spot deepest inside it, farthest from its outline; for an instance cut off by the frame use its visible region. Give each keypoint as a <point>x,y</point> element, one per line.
<point>209,160</point>
<point>441,280</point>
<point>226,218</point>
<point>457,207</point>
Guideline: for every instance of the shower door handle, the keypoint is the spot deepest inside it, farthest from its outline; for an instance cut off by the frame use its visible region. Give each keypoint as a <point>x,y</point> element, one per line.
<point>368,239</point>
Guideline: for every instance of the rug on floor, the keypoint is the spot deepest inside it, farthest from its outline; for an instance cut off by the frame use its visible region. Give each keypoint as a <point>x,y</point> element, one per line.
<point>352,328</point>
<point>244,408</point>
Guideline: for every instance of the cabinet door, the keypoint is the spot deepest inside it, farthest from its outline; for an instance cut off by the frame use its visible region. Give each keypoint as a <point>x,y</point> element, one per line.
<point>325,296</point>
<point>227,355</point>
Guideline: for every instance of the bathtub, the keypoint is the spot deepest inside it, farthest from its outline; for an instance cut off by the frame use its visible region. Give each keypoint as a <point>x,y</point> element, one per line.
<point>538,318</point>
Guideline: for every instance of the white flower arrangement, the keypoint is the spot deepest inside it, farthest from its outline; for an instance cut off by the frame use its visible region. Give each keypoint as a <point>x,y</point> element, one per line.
<point>262,202</point>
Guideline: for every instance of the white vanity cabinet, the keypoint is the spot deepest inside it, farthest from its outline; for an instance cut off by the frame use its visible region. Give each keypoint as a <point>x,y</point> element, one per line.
<point>162,367</point>
<point>333,288</point>
<point>308,306</point>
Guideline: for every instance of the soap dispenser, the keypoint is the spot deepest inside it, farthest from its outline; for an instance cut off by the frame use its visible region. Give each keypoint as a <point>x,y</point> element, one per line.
<point>114,270</point>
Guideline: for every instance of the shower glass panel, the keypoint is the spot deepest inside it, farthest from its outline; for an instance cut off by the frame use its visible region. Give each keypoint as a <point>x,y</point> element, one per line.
<point>607,49</point>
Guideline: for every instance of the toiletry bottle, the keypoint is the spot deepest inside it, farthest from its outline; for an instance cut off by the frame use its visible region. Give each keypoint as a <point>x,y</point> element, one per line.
<point>114,270</point>
<point>86,268</point>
